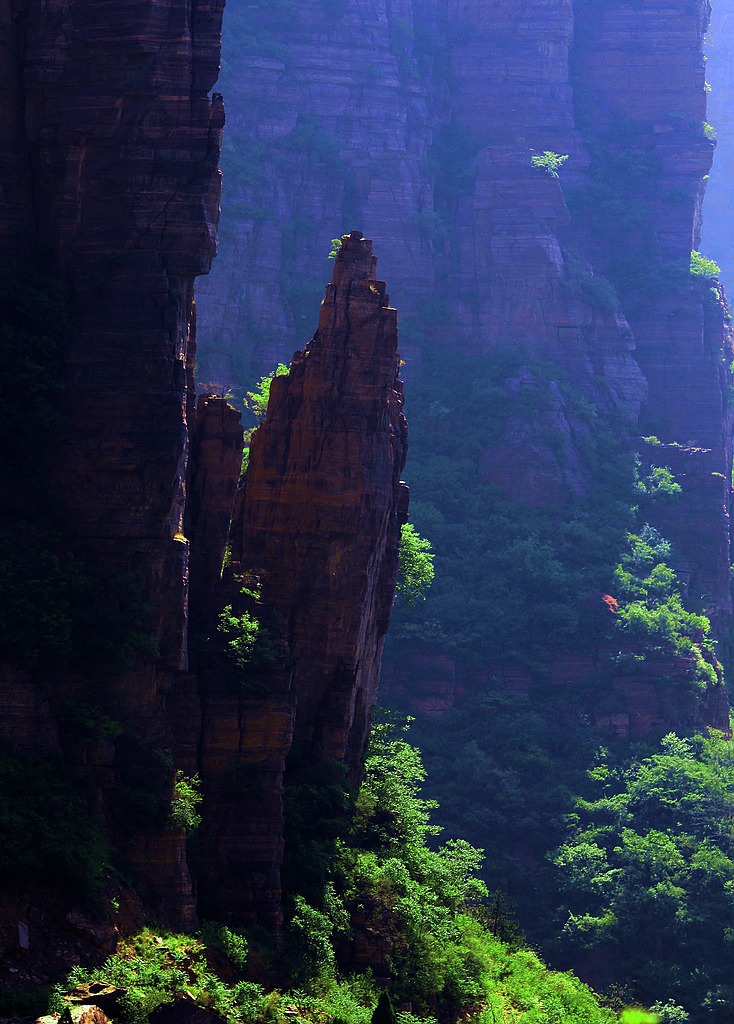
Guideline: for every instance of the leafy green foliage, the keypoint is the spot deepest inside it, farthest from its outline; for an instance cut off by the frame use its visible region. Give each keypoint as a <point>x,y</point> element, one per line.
<point>595,289</point>
<point>407,891</point>
<point>318,805</point>
<point>619,195</point>
<point>232,943</point>
<point>549,162</point>
<point>310,939</point>
<point>23,1000</point>
<point>384,872</point>
<point>648,867</point>
<point>636,1015</point>
<point>513,587</point>
<point>658,483</point>
<point>385,880</point>
<point>257,401</point>
<point>241,633</point>
<point>416,572</point>
<point>185,802</point>
<point>155,969</point>
<point>336,246</point>
<point>651,613</point>
<point>703,267</point>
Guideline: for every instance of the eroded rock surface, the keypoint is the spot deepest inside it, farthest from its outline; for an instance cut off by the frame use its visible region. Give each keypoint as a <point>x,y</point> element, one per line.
<point>315,540</point>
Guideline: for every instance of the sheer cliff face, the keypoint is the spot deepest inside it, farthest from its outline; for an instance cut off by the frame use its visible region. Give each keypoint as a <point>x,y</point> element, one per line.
<point>314,556</point>
<point>449,102</point>
<point>718,222</point>
<point>111,185</point>
<point>114,173</point>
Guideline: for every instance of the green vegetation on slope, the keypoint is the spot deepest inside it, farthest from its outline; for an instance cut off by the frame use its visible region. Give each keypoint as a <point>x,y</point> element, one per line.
<point>648,872</point>
<point>48,829</point>
<point>516,584</point>
<point>515,587</point>
<point>384,889</point>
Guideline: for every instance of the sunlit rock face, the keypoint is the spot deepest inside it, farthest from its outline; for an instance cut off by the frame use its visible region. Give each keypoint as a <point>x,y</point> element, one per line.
<point>315,539</point>
<point>422,121</point>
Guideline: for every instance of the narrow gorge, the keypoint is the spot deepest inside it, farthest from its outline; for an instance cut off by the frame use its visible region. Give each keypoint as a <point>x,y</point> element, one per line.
<point>204,766</point>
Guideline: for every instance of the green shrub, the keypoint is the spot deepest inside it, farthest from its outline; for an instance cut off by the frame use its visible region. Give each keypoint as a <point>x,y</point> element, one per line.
<point>703,267</point>
<point>242,633</point>
<point>648,870</point>
<point>257,401</point>
<point>310,933</point>
<point>416,572</point>
<point>156,969</point>
<point>549,162</point>
<point>185,803</point>
<point>596,290</point>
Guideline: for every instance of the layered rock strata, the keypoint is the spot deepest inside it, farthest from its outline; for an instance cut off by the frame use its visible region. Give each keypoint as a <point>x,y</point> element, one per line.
<point>584,267</point>
<point>314,557</point>
<point>110,172</point>
<point>680,325</point>
<point>718,223</point>
<point>111,186</point>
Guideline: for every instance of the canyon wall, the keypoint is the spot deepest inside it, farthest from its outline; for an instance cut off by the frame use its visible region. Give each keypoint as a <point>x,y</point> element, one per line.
<point>111,175</point>
<point>111,185</point>
<point>582,265</point>
<point>314,558</point>
<point>718,221</point>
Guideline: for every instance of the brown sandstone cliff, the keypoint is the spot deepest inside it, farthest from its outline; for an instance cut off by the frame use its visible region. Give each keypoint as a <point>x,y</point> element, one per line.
<point>314,539</point>
<point>110,186</point>
<point>453,100</point>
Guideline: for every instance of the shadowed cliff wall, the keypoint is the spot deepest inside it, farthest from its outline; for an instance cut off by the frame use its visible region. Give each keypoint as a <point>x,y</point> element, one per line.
<point>111,187</point>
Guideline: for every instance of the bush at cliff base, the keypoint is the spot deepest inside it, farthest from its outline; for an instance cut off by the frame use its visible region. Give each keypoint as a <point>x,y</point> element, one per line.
<point>444,961</point>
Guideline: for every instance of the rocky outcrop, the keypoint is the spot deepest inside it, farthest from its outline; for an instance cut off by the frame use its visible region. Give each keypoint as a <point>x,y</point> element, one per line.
<point>118,162</point>
<point>111,174</point>
<point>110,184</point>
<point>318,521</point>
<point>314,558</point>
<point>216,460</point>
<point>328,128</point>
<point>583,267</point>
<point>679,323</point>
<point>717,236</point>
<point>399,111</point>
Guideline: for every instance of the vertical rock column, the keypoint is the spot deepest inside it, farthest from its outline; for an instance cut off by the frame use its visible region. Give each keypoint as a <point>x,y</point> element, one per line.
<point>318,521</point>
<point>317,530</point>
<point>109,181</point>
